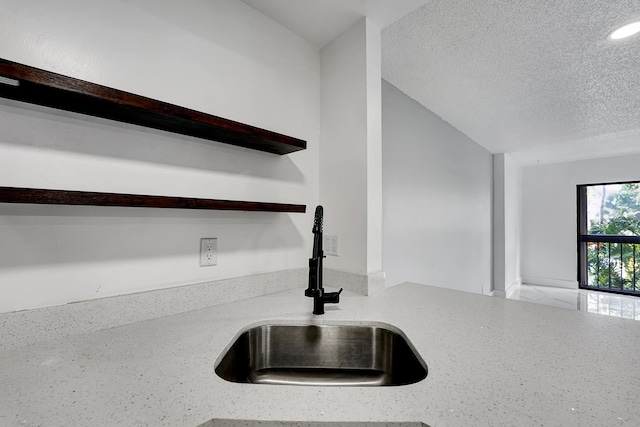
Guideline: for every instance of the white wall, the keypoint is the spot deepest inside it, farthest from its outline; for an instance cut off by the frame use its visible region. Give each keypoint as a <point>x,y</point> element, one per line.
<point>351,148</point>
<point>437,186</point>
<point>507,214</point>
<point>218,56</point>
<point>549,221</point>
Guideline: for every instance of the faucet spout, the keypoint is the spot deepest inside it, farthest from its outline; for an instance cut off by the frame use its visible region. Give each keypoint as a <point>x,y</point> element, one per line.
<point>315,289</point>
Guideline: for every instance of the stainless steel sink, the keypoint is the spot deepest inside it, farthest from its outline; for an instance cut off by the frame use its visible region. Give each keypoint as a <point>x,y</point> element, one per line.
<point>322,355</point>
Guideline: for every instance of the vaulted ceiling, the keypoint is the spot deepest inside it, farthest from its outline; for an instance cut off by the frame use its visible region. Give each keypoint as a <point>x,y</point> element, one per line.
<point>535,78</point>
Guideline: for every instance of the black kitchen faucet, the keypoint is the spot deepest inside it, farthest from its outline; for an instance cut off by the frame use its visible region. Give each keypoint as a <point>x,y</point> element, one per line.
<point>315,289</point>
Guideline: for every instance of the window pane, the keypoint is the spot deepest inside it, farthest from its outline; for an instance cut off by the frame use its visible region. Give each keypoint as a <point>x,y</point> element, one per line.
<point>614,209</point>
<point>609,260</point>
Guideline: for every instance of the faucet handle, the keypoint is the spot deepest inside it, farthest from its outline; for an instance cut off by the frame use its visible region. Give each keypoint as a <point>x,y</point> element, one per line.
<point>332,297</point>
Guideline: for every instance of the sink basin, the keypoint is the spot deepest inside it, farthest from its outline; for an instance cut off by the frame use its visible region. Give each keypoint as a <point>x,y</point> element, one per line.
<point>322,355</point>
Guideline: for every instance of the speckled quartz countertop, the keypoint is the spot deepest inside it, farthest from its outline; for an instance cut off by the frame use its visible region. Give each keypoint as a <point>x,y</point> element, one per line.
<point>491,362</point>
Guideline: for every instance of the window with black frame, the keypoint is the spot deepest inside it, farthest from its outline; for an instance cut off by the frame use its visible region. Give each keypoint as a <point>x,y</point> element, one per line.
<point>609,237</point>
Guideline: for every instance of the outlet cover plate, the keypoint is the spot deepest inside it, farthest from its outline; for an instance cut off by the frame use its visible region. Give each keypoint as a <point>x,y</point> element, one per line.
<point>208,252</point>
<point>331,245</point>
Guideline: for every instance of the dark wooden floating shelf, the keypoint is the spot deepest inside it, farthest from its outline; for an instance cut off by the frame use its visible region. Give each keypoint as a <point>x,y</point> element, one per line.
<point>64,197</point>
<point>33,85</point>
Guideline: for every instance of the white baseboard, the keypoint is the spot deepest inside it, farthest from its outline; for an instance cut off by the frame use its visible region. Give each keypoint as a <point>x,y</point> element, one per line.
<point>545,281</point>
<point>508,292</point>
<point>513,287</point>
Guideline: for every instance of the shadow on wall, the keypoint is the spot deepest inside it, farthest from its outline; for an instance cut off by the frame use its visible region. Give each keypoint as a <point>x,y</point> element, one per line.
<point>46,235</point>
<point>23,125</point>
<point>212,24</point>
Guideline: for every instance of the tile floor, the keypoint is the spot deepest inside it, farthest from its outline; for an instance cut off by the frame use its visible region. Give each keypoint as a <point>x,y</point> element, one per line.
<point>603,303</point>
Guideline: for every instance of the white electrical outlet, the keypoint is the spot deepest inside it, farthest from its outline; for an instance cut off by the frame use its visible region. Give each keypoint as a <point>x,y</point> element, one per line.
<point>331,245</point>
<point>208,252</point>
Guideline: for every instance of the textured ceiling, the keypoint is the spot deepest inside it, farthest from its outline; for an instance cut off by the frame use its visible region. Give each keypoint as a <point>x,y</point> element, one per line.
<point>536,78</point>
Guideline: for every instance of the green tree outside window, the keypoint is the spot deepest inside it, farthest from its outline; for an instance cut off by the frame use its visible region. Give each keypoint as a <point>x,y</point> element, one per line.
<point>613,210</point>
